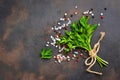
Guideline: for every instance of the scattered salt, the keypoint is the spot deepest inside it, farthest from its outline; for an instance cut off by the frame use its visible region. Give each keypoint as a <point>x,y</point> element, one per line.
<point>76,6</point>
<point>101,14</point>
<point>65,14</point>
<point>76,12</point>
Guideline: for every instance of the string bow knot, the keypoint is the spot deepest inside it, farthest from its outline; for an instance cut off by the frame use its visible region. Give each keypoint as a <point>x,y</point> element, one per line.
<point>91,60</point>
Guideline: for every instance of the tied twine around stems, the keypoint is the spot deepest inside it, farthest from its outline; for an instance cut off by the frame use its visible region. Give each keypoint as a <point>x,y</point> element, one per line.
<point>93,54</point>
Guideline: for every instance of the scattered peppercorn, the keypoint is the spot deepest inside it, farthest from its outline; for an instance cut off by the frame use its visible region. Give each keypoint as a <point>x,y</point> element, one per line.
<point>93,17</point>
<point>71,15</point>
<point>105,9</point>
<point>102,17</point>
<point>76,60</point>
<point>91,9</point>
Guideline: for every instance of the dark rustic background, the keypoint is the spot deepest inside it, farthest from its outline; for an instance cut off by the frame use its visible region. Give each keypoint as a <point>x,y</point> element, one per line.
<point>24,27</point>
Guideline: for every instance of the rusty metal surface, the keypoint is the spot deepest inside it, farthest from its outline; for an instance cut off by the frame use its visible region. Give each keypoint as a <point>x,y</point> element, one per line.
<point>24,27</point>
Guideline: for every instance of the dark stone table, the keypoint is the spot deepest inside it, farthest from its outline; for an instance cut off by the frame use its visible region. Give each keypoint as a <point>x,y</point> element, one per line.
<point>25,26</point>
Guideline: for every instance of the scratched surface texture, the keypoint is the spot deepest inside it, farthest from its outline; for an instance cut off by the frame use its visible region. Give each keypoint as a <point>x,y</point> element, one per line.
<point>25,26</point>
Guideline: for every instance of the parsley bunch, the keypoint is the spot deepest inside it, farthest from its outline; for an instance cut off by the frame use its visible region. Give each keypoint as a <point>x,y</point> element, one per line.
<point>46,53</point>
<point>80,37</point>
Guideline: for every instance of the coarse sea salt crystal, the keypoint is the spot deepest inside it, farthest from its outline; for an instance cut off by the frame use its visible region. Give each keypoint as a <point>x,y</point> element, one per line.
<point>65,14</point>
<point>52,44</point>
<point>47,45</point>
<point>73,58</point>
<point>59,61</point>
<point>76,52</point>
<point>98,24</point>
<point>51,36</point>
<point>62,25</point>
<point>58,39</point>
<point>76,6</point>
<point>64,58</point>
<point>68,57</point>
<point>74,55</point>
<point>60,28</point>
<point>69,22</point>
<point>81,54</point>
<point>101,14</point>
<point>92,14</point>
<point>54,40</point>
<point>48,42</point>
<point>62,19</point>
<point>58,23</point>
<point>56,29</point>
<point>52,28</point>
<point>54,56</point>
<point>76,12</point>
<point>86,12</point>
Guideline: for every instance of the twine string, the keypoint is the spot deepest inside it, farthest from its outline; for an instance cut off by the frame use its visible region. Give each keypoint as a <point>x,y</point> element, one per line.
<point>91,60</point>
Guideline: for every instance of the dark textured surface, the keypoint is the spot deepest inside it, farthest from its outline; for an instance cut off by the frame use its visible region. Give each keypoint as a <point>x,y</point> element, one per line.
<point>24,27</point>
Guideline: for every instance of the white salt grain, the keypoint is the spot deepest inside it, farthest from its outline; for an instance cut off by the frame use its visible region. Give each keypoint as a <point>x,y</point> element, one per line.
<point>56,46</point>
<point>76,6</point>
<point>76,52</point>
<point>48,42</point>
<point>54,56</point>
<point>92,14</point>
<point>58,23</point>
<point>76,13</point>
<point>101,14</point>
<point>68,57</point>
<point>52,28</point>
<point>59,61</point>
<point>74,55</point>
<point>60,28</point>
<point>47,45</point>
<point>98,24</point>
<point>65,14</point>
<point>73,58</point>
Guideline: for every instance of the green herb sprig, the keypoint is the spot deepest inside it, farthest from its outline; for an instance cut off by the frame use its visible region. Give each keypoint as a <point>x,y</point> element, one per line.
<point>46,53</point>
<point>80,37</point>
